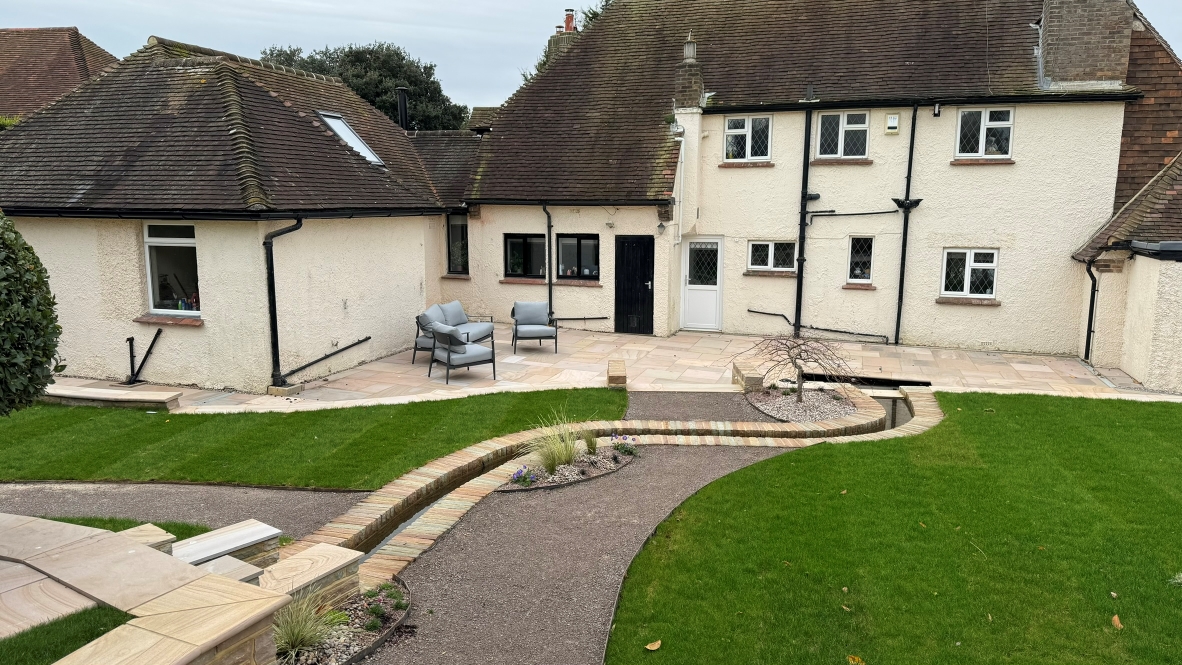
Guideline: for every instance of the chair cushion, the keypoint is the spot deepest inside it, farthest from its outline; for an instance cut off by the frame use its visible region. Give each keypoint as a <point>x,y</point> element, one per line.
<point>435,314</point>
<point>473,353</point>
<point>424,342</point>
<point>475,331</point>
<point>530,314</point>
<point>446,335</point>
<point>453,313</point>
<point>536,332</point>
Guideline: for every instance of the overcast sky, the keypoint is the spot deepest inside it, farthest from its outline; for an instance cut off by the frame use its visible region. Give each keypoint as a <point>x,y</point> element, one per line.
<point>480,46</point>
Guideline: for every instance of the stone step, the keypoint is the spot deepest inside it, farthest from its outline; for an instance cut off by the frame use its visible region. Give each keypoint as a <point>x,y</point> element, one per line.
<point>228,566</point>
<point>322,568</point>
<point>152,536</point>
<point>250,541</point>
<point>132,399</point>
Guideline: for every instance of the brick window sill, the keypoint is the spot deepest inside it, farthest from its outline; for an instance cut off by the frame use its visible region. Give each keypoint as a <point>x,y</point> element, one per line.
<point>841,162</point>
<point>859,287</point>
<point>974,302</point>
<point>746,165</point>
<point>523,280</point>
<point>770,273</point>
<point>588,283</point>
<point>455,276</point>
<point>165,320</point>
<point>981,162</point>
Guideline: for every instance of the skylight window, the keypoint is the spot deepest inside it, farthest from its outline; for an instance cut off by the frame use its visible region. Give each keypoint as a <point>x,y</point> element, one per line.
<point>342,129</point>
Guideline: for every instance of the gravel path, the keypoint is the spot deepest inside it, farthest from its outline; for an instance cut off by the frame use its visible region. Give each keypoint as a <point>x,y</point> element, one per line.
<point>532,577</point>
<point>296,512</point>
<point>725,407</point>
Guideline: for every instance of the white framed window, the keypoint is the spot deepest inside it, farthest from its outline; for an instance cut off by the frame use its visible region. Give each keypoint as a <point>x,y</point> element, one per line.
<point>748,138</point>
<point>771,255</point>
<point>861,260</point>
<point>171,254</point>
<point>342,129</point>
<point>970,273</point>
<point>985,133</point>
<point>843,135</point>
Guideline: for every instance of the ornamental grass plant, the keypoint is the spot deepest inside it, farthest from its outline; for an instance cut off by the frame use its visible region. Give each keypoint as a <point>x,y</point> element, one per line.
<point>558,446</point>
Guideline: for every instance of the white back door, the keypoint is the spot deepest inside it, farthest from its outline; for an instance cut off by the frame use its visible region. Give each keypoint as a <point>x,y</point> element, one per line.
<point>702,299</point>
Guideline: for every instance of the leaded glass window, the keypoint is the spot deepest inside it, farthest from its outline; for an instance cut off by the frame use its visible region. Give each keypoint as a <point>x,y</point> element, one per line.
<point>970,272</point>
<point>748,138</point>
<point>841,135</point>
<point>703,264</point>
<point>985,133</point>
<point>861,259</point>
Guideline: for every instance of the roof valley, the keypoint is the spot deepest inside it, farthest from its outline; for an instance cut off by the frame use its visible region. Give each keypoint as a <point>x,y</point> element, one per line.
<point>249,175</point>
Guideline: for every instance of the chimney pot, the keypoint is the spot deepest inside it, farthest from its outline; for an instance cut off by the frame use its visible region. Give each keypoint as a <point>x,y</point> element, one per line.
<point>570,21</point>
<point>691,48</point>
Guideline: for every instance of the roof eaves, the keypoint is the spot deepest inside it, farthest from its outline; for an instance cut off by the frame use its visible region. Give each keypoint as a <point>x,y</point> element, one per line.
<point>1121,226</point>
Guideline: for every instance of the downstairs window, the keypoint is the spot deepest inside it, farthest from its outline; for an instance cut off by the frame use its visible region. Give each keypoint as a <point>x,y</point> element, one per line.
<point>171,251</point>
<point>970,273</point>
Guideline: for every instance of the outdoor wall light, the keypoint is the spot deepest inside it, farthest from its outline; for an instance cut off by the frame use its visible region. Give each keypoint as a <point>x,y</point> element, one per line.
<point>661,228</point>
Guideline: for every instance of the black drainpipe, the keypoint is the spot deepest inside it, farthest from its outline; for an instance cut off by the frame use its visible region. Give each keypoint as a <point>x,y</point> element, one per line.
<point>1091,312</point>
<point>268,247</point>
<point>907,205</point>
<point>804,218</point>
<point>549,255</point>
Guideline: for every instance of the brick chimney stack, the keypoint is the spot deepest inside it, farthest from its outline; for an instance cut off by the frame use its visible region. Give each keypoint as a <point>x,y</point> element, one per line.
<point>569,25</point>
<point>564,35</point>
<point>689,83</point>
<point>1084,44</point>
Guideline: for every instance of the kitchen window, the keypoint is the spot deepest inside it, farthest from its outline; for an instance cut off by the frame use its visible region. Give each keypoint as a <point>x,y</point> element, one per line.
<point>578,257</point>
<point>985,133</point>
<point>525,255</point>
<point>861,260</point>
<point>748,139</point>
<point>843,135</point>
<point>769,255</point>
<point>457,244</point>
<point>171,252</point>
<point>971,273</point>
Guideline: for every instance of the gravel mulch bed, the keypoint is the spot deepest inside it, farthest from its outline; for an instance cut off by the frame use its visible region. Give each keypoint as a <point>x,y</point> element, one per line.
<point>729,407</point>
<point>296,512</point>
<point>585,467</point>
<point>532,577</point>
<point>366,624</point>
<point>817,405</point>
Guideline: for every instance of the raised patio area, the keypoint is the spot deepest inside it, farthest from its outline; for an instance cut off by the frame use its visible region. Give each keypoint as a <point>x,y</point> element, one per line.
<point>687,361</point>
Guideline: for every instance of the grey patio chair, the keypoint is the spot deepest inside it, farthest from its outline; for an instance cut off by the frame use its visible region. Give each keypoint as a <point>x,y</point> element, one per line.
<point>531,320</point>
<point>451,314</point>
<point>453,353</point>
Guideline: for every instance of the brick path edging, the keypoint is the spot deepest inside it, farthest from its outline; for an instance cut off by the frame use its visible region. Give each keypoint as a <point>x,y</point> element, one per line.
<point>364,525</point>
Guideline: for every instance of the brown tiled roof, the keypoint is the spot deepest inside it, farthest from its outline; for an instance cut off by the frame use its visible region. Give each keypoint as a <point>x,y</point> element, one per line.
<point>38,65</point>
<point>591,126</point>
<point>175,128</point>
<point>448,156</point>
<point>1153,123</point>
<point>481,117</point>
<point>1153,215</point>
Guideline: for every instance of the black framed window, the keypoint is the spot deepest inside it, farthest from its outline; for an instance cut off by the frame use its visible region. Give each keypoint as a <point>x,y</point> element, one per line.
<point>457,244</point>
<point>525,255</point>
<point>578,257</point>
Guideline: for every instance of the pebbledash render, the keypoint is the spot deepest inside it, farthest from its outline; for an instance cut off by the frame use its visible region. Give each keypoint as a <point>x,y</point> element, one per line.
<point>749,167</point>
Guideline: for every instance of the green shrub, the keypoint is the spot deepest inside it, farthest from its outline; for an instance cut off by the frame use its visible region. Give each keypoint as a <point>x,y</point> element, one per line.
<point>373,625</point>
<point>591,441</point>
<point>29,330</point>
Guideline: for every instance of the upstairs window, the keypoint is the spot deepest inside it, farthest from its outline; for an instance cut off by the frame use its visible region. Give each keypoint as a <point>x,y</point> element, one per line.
<point>985,133</point>
<point>457,244</point>
<point>970,273</point>
<point>843,135</point>
<point>342,129</point>
<point>578,257</point>
<point>525,255</point>
<point>748,139</point>
<point>861,260</point>
<point>171,250</point>
<point>768,255</point>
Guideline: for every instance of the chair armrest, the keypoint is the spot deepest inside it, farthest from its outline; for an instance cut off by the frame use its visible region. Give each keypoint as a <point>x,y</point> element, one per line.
<point>474,318</point>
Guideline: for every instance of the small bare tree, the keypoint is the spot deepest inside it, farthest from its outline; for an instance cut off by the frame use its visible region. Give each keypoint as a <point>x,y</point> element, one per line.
<point>787,355</point>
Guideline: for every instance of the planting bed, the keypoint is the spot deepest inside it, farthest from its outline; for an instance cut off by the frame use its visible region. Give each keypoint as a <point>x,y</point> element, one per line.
<point>817,405</point>
<point>367,628</point>
<point>585,467</point>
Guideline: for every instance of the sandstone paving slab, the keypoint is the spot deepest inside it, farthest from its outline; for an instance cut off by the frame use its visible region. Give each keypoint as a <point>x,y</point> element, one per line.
<point>207,626</point>
<point>131,645</point>
<point>220,542</point>
<point>29,537</point>
<point>231,568</point>
<point>152,536</point>
<point>115,570</point>
<point>37,602</point>
<point>13,575</point>
<point>315,563</point>
<point>208,591</point>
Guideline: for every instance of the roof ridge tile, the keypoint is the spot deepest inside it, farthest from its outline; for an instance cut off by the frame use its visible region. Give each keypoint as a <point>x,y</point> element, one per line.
<point>243,60</point>
<point>250,178</point>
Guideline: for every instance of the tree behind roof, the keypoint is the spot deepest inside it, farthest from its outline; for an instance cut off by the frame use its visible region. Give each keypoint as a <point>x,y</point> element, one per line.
<point>375,71</point>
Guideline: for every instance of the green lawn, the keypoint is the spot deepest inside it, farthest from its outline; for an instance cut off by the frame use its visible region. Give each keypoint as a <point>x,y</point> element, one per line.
<point>49,642</point>
<point>182,530</point>
<point>358,448</point>
<point>997,537</point>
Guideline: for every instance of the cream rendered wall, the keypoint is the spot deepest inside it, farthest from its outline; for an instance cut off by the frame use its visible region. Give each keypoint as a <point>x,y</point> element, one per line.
<point>1108,342</point>
<point>1153,324</point>
<point>1036,212</point>
<point>1139,318</point>
<point>485,294</point>
<point>97,274</point>
<point>338,281</point>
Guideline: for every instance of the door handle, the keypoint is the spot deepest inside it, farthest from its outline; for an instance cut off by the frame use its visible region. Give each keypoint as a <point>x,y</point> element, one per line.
<point>649,285</point>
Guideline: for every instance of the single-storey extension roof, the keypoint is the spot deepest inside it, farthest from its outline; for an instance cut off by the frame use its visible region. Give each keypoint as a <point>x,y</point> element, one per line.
<point>38,65</point>
<point>448,156</point>
<point>1153,215</point>
<point>593,125</point>
<point>180,129</point>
